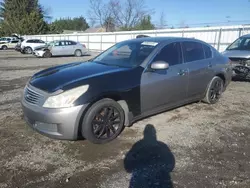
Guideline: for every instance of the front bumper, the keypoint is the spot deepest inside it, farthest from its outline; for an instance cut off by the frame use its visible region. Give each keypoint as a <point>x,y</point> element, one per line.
<point>55,123</point>
<point>38,53</point>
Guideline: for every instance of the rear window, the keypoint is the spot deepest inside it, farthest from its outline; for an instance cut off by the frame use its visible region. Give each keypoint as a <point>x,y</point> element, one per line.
<point>193,51</point>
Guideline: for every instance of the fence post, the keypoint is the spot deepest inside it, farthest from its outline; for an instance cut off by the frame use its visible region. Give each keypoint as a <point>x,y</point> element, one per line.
<point>240,32</point>
<point>219,40</point>
<point>101,43</point>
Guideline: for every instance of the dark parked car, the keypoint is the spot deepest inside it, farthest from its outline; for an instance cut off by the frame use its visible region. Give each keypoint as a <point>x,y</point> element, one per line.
<point>239,53</point>
<point>141,36</point>
<point>129,81</point>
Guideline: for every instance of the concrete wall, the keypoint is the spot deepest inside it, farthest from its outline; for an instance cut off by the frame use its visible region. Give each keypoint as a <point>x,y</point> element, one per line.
<point>219,37</point>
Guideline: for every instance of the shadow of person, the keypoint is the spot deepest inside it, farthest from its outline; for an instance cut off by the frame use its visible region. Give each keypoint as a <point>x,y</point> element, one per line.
<point>150,162</point>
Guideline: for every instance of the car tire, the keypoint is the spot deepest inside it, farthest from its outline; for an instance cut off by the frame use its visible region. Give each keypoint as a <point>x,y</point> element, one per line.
<point>103,121</point>
<point>28,50</point>
<point>78,53</point>
<point>4,47</point>
<point>214,91</point>
<point>47,54</point>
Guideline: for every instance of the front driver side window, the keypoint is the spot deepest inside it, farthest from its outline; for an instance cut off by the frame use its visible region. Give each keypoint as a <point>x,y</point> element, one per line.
<point>171,54</point>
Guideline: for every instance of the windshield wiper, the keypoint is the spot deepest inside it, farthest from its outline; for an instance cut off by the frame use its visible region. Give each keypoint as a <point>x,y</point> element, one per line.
<point>113,65</point>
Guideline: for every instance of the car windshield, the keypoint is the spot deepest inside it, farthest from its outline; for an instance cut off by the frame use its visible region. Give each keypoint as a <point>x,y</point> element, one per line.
<point>240,44</point>
<point>126,54</point>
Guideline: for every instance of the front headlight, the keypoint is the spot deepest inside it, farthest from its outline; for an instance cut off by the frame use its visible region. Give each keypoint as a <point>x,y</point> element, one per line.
<point>65,99</point>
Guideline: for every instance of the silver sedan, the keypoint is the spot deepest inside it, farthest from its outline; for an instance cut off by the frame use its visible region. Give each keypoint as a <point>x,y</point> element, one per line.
<point>61,48</point>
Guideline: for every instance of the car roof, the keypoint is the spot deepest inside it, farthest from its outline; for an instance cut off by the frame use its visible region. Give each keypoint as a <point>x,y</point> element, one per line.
<point>32,39</point>
<point>63,40</point>
<point>165,39</point>
<point>245,36</point>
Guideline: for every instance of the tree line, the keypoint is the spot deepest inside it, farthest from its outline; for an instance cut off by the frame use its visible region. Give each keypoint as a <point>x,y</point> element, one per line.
<point>29,17</point>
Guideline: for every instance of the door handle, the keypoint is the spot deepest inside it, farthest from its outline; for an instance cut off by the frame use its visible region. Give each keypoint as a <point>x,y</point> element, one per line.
<point>210,65</point>
<point>182,72</point>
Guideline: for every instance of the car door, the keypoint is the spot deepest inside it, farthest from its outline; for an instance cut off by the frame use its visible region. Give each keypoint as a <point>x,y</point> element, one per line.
<point>57,48</point>
<point>165,88</point>
<point>200,72</point>
<point>35,44</point>
<point>71,48</point>
<point>65,48</point>
<point>13,43</point>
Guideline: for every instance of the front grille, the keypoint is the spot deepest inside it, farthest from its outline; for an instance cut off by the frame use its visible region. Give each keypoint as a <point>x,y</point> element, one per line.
<point>32,96</point>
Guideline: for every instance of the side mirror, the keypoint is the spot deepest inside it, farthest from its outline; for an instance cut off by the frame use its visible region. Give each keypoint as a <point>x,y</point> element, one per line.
<point>159,65</point>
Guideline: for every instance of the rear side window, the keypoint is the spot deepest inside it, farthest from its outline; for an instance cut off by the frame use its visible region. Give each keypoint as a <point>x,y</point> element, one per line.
<point>171,54</point>
<point>30,41</point>
<point>72,43</point>
<point>193,51</point>
<point>208,51</point>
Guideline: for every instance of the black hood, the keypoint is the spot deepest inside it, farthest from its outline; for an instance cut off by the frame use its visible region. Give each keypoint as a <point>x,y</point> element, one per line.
<point>58,77</point>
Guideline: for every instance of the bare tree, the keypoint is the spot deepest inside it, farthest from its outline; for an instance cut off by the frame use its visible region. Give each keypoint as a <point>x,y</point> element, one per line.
<point>163,22</point>
<point>99,12</point>
<point>125,13</point>
<point>92,22</point>
<point>109,24</point>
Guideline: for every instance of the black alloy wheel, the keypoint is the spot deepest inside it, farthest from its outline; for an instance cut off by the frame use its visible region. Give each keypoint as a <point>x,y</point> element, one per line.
<point>214,90</point>
<point>106,123</point>
<point>103,121</point>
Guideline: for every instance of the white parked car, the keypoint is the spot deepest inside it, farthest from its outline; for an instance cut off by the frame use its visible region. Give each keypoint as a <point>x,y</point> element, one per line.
<point>28,46</point>
<point>61,48</point>
<point>9,45</point>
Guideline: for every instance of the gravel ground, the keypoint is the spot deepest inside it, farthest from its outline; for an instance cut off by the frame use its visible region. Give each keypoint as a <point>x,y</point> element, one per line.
<point>195,146</point>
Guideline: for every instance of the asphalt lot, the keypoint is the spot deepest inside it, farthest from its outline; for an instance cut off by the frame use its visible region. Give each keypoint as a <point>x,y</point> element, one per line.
<point>197,145</point>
